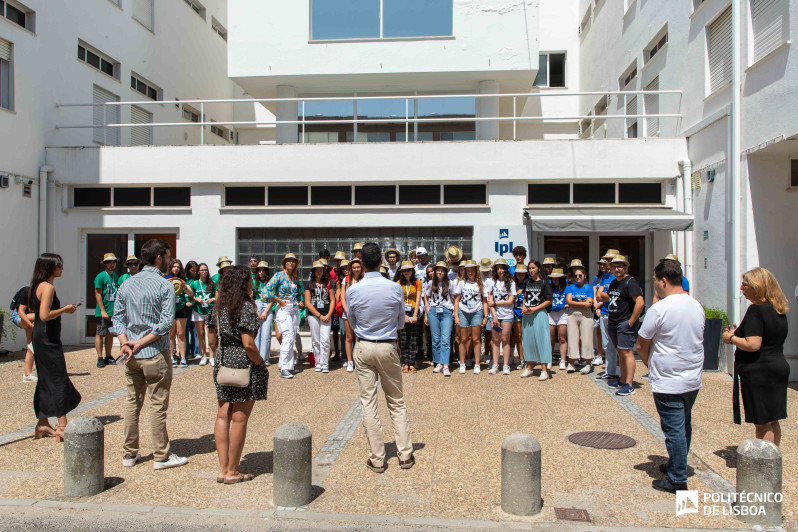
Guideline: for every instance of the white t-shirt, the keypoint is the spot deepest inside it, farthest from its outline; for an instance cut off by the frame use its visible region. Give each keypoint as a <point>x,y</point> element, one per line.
<point>421,270</point>
<point>470,298</point>
<point>500,293</point>
<point>675,326</point>
<point>437,300</point>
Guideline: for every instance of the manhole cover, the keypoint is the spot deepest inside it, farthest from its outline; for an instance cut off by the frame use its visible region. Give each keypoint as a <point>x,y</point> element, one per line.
<point>572,514</point>
<point>601,440</point>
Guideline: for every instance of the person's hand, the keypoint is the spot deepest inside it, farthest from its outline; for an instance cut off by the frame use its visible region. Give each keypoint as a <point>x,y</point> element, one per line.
<point>495,322</point>
<point>727,336</point>
<point>31,317</point>
<point>103,313</point>
<point>631,323</point>
<point>484,321</point>
<point>426,321</point>
<point>407,319</point>
<point>413,319</point>
<point>211,300</point>
<point>457,322</point>
<point>301,305</point>
<point>125,354</point>
<point>325,318</point>
<point>189,304</point>
<point>70,309</point>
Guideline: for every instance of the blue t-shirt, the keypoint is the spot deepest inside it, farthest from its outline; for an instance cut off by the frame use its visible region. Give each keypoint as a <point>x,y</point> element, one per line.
<point>685,284</point>
<point>579,294</point>
<point>558,303</point>
<point>604,282</point>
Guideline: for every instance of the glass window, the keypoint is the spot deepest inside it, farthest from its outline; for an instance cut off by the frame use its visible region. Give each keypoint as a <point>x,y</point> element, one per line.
<point>640,193</point>
<point>92,59</point>
<point>132,196</point>
<point>375,195</point>
<point>416,18</point>
<point>419,194</point>
<point>244,196</point>
<point>285,196</point>
<point>556,70</point>
<point>81,53</point>
<point>5,84</point>
<point>594,192</point>
<point>542,77</point>
<point>92,197</point>
<point>465,194</point>
<point>331,195</point>
<point>345,19</point>
<point>548,193</point>
<point>172,197</point>
<point>794,173</point>
<point>15,15</point>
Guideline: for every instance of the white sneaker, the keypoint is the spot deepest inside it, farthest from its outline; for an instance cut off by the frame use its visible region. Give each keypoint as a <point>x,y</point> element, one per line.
<point>477,369</point>
<point>203,361</point>
<point>318,368</point>
<point>130,461</point>
<point>571,368</point>
<point>462,368</point>
<point>520,365</point>
<point>446,372</point>
<point>173,461</point>
<point>30,378</point>
<point>544,375</point>
<point>325,369</point>
<point>494,369</point>
<point>562,364</point>
<point>506,370</point>
<point>438,368</point>
<point>526,373</point>
<point>284,373</point>
<point>587,369</point>
<point>350,366</point>
<point>597,361</point>
<point>212,362</point>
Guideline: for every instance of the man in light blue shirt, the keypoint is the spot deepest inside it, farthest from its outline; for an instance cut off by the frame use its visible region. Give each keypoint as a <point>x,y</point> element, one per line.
<point>376,313</point>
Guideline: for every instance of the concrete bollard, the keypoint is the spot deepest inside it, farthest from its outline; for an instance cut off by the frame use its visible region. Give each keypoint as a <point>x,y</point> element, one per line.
<point>293,465</point>
<point>759,483</point>
<point>84,457</point>
<point>521,475</point>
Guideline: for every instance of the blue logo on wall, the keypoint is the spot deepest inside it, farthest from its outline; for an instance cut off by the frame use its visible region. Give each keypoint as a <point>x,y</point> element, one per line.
<point>501,249</point>
<point>504,233</point>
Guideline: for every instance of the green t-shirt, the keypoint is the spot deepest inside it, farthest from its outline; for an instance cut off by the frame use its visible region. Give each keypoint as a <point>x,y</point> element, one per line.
<point>215,279</point>
<point>202,292</point>
<point>260,290</point>
<point>180,301</point>
<point>124,277</point>
<point>108,284</point>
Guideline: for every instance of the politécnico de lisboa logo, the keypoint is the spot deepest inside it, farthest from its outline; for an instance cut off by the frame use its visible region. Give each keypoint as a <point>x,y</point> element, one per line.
<point>686,502</point>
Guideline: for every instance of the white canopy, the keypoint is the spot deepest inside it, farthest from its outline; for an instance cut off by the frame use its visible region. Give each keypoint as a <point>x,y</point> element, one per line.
<point>615,219</point>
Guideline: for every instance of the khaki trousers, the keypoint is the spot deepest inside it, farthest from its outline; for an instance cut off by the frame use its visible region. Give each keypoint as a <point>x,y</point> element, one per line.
<point>580,323</point>
<point>381,360</point>
<point>152,376</point>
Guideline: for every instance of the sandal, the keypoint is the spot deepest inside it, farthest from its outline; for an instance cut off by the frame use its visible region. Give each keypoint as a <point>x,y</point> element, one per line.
<point>220,479</point>
<point>43,431</point>
<point>243,477</point>
<point>413,369</point>
<point>404,369</point>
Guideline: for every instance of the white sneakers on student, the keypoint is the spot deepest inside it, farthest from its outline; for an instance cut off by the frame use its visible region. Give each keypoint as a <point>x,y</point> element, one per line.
<point>494,369</point>
<point>477,369</point>
<point>203,361</point>
<point>597,361</point>
<point>587,369</point>
<point>462,368</point>
<point>562,364</point>
<point>130,461</point>
<point>526,373</point>
<point>544,376</point>
<point>506,370</point>
<point>350,366</point>
<point>438,368</point>
<point>570,367</point>
<point>172,461</point>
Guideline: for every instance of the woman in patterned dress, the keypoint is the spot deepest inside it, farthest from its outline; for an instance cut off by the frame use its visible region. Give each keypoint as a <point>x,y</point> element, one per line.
<point>232,324</point>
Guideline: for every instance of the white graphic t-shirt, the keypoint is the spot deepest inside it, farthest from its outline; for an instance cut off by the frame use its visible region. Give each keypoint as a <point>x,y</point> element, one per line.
<point>470,298</point>
<point>437,300</point>
<point>500,293</point>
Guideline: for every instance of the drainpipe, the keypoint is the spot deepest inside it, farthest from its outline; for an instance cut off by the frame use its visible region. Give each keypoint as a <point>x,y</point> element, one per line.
<point>41,241</point>
<point>736,175</point>
<point>688,261</point>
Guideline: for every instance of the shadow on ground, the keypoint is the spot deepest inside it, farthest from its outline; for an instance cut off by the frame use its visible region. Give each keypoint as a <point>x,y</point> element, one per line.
<point>729,454</point>
<point>189,447</point>
<point>651,468</point>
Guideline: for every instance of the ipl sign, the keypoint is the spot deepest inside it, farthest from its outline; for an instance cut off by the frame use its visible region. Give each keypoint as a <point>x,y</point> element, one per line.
<point>499,240</point>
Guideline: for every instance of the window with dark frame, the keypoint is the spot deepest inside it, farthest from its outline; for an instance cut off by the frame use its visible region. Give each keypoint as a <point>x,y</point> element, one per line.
<point>640,193</point>
<point>143,87</point>
<point>244,196</point>
<point>91,58</point>
<point>594,192</point>
<point>21,16</point>
<point>330,195</point>
<point>375,195</point>
<point>419,194</point>
<point>287,196</point>
<point>548,193</point>
<point>794,173</point>
<point>465,194</point>
<point>132,196</point>
<point>171,197</point>
<point>658,46</point>
<point>91,197</point>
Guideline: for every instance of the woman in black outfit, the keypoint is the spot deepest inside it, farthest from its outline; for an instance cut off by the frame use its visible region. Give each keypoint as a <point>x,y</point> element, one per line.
<point>759,360</point>
<point>55,395</point>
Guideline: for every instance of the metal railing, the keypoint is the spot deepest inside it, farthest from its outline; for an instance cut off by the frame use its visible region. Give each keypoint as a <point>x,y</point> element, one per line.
<point>407,120</point>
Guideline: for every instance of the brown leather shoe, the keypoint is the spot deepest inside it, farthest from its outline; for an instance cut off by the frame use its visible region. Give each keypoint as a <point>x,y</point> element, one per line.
<point>374,468</point>
<point>407,464</point>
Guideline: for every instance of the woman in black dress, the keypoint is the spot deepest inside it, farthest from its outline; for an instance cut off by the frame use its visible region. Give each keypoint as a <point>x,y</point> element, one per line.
<point>55,396</point>
<point>759,360</point>
<point>232,324</point>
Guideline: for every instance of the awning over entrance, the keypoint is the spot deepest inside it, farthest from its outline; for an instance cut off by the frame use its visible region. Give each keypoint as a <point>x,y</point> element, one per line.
<point>619,219</point>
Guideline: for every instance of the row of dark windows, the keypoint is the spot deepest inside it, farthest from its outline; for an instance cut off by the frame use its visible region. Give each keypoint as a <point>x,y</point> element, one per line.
<point>560,193</point>
<point>132,197</point>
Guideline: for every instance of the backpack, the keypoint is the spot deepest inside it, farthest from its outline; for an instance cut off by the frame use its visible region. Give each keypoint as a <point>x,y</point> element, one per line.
<point>15,301</point>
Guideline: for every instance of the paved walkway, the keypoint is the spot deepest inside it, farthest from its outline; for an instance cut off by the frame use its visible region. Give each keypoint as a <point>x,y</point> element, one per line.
<point>457,424</point>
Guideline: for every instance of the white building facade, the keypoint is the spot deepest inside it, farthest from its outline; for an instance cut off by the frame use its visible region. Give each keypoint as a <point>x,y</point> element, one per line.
<point>412,123</point>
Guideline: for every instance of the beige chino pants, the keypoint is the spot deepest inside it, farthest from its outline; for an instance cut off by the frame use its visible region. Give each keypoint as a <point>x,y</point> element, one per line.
<point>153,377</point>
<point>381,360</point>
<point>580,323</point>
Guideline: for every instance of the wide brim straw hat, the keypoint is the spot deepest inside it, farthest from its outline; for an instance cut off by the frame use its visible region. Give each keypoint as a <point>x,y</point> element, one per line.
<point>289,256</point>
<point>610,254</point>
<point>323,261</point>
<point>671,256</point>
<point>620,258</point>
<point>412,253</point>
<point>383,269</point>
<point>499,262</point>
<point>576,263</point>
<point>407,265</point>
<point>470,264</point>
<point>224,264</point>
<point>602,260</point>
<point>344,262</point>
<point>556,272</point>
<point>393,250</point>
<point>441,264</point>
<point>222,259</point>
<point>108,257</point>
<point>262,264</point>
<point>318,264</point>
<point>549,260</point>
<point>132,258</point>
<point>520,267</point>
<point>485,265</point>
<point>339,255</point>
<point>454,253</point>
<point>356,259</point>
<point>358,246</point>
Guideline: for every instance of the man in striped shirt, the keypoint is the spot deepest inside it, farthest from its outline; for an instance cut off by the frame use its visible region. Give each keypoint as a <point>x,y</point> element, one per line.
<point>143,315</point>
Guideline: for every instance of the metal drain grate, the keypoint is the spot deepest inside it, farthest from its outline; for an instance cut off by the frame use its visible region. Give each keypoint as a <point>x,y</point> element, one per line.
<point>572,514</point>
<point>601,440</point>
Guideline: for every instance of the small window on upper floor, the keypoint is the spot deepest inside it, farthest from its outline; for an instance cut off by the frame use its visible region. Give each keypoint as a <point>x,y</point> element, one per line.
<point>551,70</point>
<point>19,14</point>
<point>719,51</point>
<point>198,8</point>
<point>601,106</point>
<point>656,45</point>
<point>144,12</point>
<point>100,61</point>
<point>190,114</point>
<point>377,19</point>
<point>770,26</point>
<point>221,132</point>
<point>628,77</point>
<point>6,71</point>
<point>218,29</point>
<point>139,84</point>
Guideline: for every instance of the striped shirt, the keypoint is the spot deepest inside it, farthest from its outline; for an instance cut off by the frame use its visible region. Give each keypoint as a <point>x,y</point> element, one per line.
<point>145,304</point>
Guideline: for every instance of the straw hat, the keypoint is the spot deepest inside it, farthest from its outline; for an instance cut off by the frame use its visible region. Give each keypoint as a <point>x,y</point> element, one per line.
<point>407,265</point>
<point>470,264</point>
<point>289,256</point>
<point>343,263</point>
<point>499,262</point>
<point>611,253</point>
<point>222,259</point>
<point>262,264</point>
<point>485,265</point>
<point>576,263</point>
<point>393,250</point>
<point>383,269</point>
<point>358,246</point>
<point>323,261</point>
<point>108,257</point>
<point>556,272</point>
<point>549,260</point>
<point>671,256</point>
<point>441,264</point>
<point>356,259</point>
<point>602,260</point>
<point>454,253</point>
<point>132,258</point>
<point>318,264</point>
<point>520,267</point>
<point>339,255</point>
<point>620,258</point>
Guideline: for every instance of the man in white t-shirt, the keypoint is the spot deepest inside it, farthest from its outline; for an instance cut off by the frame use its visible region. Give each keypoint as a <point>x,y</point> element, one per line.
<point>670,343</point>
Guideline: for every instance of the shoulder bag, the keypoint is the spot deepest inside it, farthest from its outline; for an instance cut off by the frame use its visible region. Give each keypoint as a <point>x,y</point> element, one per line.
<point>234,377</point>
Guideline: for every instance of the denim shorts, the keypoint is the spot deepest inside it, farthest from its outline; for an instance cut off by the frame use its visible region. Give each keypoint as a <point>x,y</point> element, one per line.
<point>15,318</point>
<point>470,319</point>
<point>622,336</point>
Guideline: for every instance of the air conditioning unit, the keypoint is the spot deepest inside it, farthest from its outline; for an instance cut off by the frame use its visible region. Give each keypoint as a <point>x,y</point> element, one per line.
<point>3,180</point>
